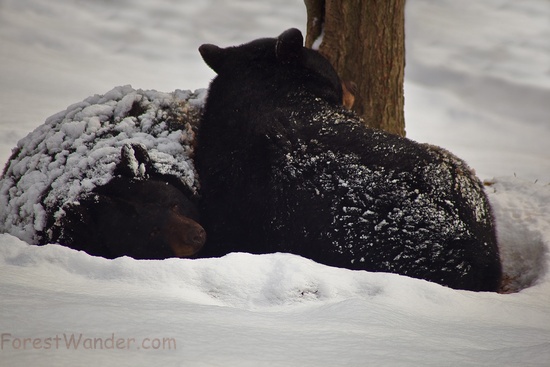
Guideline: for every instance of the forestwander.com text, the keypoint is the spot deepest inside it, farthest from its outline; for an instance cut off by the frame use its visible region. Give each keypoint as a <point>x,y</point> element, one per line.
<point>80,341</point>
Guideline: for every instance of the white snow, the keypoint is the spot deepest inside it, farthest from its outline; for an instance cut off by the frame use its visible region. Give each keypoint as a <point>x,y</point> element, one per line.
<point>278,309</point>
<point>477,84</point>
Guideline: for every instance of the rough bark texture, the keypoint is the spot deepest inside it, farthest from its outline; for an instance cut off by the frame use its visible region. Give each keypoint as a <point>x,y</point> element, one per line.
<point>364,41</point>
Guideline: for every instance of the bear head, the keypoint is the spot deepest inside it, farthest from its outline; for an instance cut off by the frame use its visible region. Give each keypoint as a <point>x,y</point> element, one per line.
<point>138,213</point>
<point>293,68</point>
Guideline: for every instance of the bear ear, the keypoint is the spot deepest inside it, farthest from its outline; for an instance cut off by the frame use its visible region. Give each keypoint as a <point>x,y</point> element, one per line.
<point>349,90</point>
<point>134,162</point>
<point>213,56</point>
<point>289,46</point>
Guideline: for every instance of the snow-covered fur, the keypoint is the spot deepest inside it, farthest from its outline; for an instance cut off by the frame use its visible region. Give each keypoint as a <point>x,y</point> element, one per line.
<point>284,167</point>
<point>122,157</point>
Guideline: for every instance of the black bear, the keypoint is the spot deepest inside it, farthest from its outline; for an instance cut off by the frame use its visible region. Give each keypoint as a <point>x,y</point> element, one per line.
<point>285,168</point>
<point>112,175</point>
<point>144,217</point>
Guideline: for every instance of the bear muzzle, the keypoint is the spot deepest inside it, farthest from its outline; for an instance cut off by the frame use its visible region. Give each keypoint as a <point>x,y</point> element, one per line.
<point>184,236</point>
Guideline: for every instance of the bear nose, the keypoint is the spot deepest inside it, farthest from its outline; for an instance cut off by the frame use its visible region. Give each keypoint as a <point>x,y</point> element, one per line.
<point>198,237</point>
<point>185,236</point>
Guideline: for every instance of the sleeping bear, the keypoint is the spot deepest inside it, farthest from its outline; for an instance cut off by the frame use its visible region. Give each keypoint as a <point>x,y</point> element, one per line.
<point>285,168</point>
<point>112,176</point>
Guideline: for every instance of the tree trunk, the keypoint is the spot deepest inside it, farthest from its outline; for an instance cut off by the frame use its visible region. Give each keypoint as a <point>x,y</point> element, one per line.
<point>365,42</point>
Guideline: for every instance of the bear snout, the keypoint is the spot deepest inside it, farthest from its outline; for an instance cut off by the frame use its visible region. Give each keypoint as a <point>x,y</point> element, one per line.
<point>184,236</point>
<point>198,236</point>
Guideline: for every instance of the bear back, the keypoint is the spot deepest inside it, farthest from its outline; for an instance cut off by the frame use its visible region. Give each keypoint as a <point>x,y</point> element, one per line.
<point>284,167</point>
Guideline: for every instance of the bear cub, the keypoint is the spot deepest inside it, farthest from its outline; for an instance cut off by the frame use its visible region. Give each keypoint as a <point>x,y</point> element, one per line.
<point>284,167</point>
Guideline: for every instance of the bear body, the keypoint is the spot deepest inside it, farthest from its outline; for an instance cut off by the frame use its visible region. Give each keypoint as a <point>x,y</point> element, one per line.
<point>285,168</point>
<point>112,175</point>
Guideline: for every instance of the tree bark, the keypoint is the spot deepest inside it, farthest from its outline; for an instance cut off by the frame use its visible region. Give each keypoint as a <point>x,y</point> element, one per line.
<point>365,42</point>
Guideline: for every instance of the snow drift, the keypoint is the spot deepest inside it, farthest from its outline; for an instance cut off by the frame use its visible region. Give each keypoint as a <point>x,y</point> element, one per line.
<point>277,309</point>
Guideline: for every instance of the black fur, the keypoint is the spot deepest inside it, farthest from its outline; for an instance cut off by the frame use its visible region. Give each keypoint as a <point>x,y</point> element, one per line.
<point>283,167</point>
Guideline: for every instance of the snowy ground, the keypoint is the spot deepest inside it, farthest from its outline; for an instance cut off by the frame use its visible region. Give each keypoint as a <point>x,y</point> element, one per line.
<point>62,307</point>
<point>477,83</point>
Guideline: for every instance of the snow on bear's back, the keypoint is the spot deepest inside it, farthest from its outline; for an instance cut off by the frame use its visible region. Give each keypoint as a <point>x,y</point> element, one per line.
<point>76,150</point>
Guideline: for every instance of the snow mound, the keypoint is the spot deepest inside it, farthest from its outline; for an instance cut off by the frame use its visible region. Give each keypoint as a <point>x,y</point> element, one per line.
<point>76,150</point>
<point>237,280</point>
<point>522,214</point>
